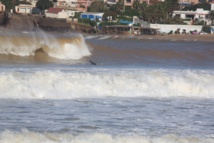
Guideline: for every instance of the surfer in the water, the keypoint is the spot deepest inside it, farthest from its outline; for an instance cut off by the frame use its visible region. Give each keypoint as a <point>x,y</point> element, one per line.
<point>93,63</point>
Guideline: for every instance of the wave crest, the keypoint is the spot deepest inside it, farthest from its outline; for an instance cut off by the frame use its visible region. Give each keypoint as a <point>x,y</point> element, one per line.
<point>96,84</point>
<point>57,47</point>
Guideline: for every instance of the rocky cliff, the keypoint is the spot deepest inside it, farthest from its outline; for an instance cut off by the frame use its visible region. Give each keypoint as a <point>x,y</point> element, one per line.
<point>32,22</point>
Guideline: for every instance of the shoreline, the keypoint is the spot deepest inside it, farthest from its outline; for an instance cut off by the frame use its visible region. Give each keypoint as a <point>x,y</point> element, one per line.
<point>202,38</point>
<point>188,37</point>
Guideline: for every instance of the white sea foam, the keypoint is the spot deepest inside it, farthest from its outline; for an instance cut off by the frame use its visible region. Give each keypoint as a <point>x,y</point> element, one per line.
<point>57,47</point>
<point>90,37</point>
<point>34,137</point>
<point>104,37</point>
<point>101,83</point>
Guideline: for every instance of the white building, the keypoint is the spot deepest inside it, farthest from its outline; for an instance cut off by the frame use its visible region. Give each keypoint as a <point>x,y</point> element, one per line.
<point>56,13</point>
<point>71,13</point>
<point>59,13</point>
<point>24,9</point>
<point>33,2</point>
<point>67,3</point>
<point>91,15</point>
<point>2,7</point>
<point>199,14</point>
<point>212,6</point>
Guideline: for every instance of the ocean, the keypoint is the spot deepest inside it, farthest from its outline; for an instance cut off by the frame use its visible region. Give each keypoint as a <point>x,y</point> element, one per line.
<point>74,88</point>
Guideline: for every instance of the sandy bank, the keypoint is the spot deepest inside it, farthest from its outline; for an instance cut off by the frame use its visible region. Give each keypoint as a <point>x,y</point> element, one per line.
<point>205,37</point>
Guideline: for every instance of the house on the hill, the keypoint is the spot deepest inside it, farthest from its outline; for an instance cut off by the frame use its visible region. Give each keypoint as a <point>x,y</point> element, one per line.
<point>82,5</point>
<point>66,3</point>
<point>212,5</point>
<point>59,13</point>
<point>2,7</point>
<point>33,2</point>
<point>199,14</point>
<point>24,9</point>
<point>92,15</point>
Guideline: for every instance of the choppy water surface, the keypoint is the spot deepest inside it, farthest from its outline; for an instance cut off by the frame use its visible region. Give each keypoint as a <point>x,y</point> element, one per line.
<point>125,117</point>
<point>139,91</point>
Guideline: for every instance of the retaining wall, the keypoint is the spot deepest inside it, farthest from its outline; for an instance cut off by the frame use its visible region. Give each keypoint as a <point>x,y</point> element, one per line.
<point>166,28</point>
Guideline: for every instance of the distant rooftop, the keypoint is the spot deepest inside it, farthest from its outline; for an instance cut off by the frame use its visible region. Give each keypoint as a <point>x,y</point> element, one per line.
<point>54,10</point>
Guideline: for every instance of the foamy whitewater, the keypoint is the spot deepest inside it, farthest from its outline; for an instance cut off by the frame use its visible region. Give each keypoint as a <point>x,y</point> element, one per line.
<point>69,88</point>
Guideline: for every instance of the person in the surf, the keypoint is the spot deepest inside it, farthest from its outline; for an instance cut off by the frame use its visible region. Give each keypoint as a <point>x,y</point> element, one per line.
<point>93,63</point>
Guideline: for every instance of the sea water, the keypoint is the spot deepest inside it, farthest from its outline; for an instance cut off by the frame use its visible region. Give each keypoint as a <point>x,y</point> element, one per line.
<point>139,91</point>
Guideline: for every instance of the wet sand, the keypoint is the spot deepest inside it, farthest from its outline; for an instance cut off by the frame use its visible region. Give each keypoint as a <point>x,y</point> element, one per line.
<point>205,37</point>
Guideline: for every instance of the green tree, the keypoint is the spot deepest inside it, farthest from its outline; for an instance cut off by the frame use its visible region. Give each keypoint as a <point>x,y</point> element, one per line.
<point>120,7</point>
<point>131,12</point>
<point>97,6</point>
<point>87,21</point>
<point>156,13</point>
<point>113,8</point>
<point>153,1</point>
<point>206,28</point>
<point>77,15</point>
<point>136,5</point>
<point>44,4</point>
<point>108,14</point>
<point>160,12</point>
<point>10,4</point>
<point>212,16</point>
<point>143,10</point>
<point>170,6</point>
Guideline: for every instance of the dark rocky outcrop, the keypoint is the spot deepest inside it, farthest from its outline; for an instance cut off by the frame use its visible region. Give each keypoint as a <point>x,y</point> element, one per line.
<point>4,18</point>
<point>49,24</point>
<point>82,28</point>
<point>20,22</point>
<point>33,22</point>
<point>1,18</point>
<point>23,22</point>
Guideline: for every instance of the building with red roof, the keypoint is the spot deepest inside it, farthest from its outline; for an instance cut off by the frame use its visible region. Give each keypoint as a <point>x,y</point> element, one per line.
<point>56,13</point>
<point>24,9</point>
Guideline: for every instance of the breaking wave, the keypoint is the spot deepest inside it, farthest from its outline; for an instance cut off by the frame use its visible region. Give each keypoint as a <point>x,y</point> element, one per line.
<point>103,83</point>
<point>27,44</point>
<point>34,137</point>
